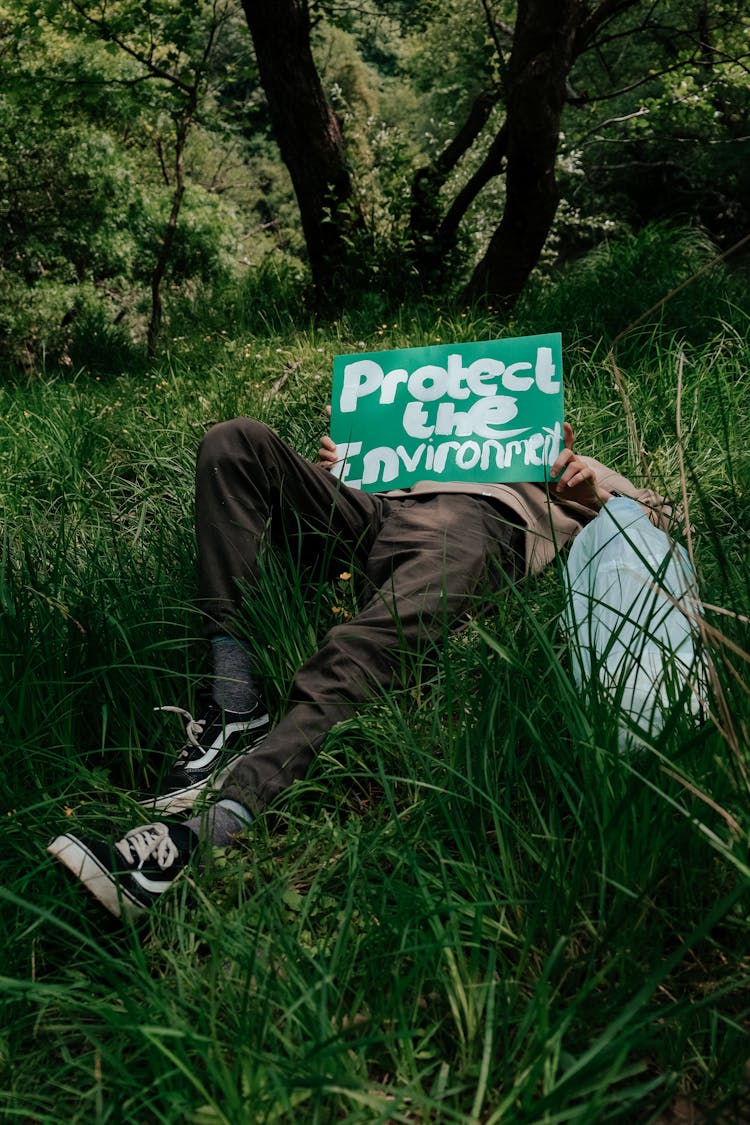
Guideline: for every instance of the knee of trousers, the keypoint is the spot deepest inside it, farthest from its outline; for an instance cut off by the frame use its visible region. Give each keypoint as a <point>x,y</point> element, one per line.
<point>224,439</point>
<point>349,666</point>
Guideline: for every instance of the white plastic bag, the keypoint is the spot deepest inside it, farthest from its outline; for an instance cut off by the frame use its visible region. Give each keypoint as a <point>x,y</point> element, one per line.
<point>630,614</point>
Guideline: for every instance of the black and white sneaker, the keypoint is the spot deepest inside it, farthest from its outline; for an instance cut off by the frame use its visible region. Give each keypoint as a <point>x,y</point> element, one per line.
<point>128,876</point>
<point>214,743</point>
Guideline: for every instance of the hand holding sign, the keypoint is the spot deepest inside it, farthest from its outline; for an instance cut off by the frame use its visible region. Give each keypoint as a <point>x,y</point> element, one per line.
<point>443,413</point>
<point>327,453</point>
<point>573,479</point>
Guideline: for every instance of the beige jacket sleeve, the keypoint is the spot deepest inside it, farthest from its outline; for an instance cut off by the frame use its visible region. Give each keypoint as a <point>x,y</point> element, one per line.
<point>549,523</point>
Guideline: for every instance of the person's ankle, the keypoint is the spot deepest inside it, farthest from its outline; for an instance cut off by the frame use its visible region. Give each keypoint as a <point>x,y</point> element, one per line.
<point>219,824</point>
<point>233,686</point>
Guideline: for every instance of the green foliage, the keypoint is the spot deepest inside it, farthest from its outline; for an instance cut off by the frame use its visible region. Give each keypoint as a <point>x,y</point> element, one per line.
<point>86,203</point>
<point>451,56</point>
<point>94,98</point>
<point>659,131</point>
<point>609,289</point>
<point>473,908</point>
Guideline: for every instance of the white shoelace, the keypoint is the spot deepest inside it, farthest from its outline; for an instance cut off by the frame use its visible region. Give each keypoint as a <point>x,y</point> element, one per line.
<point>193,728</point>
<point>151,842</point>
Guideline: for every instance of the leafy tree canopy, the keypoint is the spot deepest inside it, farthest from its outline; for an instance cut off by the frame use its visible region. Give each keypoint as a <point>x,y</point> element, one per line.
<point>139,149</point>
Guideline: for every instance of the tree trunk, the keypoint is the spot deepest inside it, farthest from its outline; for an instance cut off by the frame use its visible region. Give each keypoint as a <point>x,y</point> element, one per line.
<point>542,54</point>
<point>308,135</point>
<point>162,260</point>
<point>430,240</point>
<point>491,166</point>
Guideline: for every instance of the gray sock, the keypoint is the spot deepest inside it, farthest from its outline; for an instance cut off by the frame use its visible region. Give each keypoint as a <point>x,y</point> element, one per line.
<point>233,686</point>
<point>220,823</point>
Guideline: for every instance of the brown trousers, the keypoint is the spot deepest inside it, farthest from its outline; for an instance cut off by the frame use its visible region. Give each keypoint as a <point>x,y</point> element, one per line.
<point>424,560</point>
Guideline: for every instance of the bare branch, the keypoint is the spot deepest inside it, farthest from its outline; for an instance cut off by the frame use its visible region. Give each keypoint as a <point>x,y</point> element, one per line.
<point>643,111</point>
<point>596,98</point>
<point>109,36</point>
<point>492,28</point>
<point>607,11</point>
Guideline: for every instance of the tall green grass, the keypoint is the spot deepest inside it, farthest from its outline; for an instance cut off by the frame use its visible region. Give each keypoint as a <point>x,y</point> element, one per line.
<point>474,909</point>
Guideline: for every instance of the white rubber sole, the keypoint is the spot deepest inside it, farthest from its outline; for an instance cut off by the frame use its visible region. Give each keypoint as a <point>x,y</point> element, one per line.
<point>74,855</point>
<point>183,799</point>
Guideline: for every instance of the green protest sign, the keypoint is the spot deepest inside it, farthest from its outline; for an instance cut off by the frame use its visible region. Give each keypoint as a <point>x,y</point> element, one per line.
<point>481,412</point>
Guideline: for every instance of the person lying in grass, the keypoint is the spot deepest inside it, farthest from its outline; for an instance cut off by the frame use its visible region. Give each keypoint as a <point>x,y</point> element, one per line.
<point>423,554</point>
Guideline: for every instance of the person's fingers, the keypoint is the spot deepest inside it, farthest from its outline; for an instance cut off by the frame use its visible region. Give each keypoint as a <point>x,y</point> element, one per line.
<point>569,468</point>
<point>576,474</point>
<point>560,462</point>
<point>327,453</point>
<point>568,436</point>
